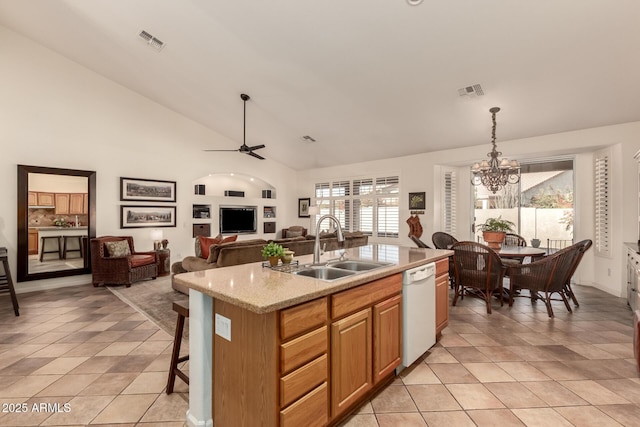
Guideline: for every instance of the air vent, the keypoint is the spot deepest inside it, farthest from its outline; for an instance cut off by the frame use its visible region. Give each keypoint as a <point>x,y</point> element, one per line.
<point>307,138</point>
<point>471,91</point>
<point>151,41</point>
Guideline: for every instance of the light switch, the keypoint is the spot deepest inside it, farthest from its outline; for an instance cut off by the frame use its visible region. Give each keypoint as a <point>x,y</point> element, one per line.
<point>223,327</point>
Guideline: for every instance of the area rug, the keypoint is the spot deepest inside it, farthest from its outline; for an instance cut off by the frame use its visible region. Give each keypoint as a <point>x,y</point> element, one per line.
<point>154,299</point>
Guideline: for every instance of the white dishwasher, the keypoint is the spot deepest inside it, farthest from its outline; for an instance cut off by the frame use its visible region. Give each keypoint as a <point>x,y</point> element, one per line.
<point>418,312</point>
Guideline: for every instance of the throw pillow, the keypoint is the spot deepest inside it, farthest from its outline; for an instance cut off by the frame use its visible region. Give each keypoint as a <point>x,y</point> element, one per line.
<point>229,239</point>
<point>205,244</point>
<point>294,233</point>
<point>119,248</point>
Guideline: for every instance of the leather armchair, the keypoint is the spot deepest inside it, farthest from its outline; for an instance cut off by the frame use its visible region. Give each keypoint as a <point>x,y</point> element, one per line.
<point>121,270</point>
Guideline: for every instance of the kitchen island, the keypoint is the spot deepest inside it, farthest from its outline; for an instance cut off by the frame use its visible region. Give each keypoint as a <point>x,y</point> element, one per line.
<point>276,349</point>
<point>81,231</point>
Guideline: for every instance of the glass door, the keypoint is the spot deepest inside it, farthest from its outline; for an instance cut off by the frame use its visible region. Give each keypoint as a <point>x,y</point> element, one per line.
<point>541,204</point>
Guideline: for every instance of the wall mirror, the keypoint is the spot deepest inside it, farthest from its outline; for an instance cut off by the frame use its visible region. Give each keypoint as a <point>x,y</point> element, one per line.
<point>56,219</point>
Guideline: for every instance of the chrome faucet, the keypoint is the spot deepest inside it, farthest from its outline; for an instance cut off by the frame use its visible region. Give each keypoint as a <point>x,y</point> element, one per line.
<point>316,246</point>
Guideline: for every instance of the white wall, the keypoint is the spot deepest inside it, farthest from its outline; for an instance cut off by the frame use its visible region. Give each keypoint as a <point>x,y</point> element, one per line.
<point>422,173</point>
<point>56,113</point>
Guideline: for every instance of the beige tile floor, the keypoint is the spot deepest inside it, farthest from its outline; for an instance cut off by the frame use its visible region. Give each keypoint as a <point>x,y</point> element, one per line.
<point>83,347</point>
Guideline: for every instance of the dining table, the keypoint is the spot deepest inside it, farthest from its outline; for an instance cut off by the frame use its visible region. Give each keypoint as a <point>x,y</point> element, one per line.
<point>520,252</point>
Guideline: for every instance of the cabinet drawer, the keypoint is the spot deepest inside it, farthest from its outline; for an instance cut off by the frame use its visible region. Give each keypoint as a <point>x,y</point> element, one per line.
<point>303,349</point>
<point>352,300</point>
<point>442,267</point>
<point>303,380</point>
<point>301,318</point>
<point>310,411</point>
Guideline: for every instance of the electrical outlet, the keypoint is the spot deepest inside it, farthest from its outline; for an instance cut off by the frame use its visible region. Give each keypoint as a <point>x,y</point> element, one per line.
<point>223,327</point>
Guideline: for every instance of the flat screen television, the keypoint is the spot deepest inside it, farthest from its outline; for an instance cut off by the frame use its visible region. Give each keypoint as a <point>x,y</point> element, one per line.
<point>238,219</point>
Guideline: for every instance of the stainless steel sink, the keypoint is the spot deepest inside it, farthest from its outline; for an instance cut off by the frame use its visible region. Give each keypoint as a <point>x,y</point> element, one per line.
<point>355,265</point>
<point>324,273</point>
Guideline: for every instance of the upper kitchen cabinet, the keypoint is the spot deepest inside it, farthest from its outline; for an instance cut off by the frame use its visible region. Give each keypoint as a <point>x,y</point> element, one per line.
<point>45,199</point>
<point>77,203</point>
<point>62,203</point>
<point>32,198</point>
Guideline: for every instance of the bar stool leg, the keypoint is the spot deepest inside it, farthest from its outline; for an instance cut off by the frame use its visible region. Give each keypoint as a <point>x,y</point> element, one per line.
<point>183,312</point>
<point>9,284</point>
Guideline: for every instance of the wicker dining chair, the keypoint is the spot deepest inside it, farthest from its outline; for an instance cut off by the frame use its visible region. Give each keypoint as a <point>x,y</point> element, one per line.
<point>583,246</point>
<point>479,272</point>
<point>442,240</point>
<point>546,276</point>
<point>512,239</point>
<point>419,243</point>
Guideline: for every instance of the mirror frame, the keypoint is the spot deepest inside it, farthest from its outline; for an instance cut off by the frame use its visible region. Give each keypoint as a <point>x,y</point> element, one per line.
<point>23,222</point>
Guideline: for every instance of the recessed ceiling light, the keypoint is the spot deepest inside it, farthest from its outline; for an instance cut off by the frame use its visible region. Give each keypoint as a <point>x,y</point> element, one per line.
<point>414,2</point>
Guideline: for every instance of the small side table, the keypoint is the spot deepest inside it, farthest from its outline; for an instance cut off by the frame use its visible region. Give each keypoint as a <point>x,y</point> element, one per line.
<point>164,267</point>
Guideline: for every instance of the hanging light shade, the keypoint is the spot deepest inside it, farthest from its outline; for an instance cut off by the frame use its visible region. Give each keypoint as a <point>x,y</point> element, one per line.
<point>493,173</point>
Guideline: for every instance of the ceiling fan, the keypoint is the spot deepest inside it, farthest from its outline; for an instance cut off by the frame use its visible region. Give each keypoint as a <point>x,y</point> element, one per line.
<point>244,148</point>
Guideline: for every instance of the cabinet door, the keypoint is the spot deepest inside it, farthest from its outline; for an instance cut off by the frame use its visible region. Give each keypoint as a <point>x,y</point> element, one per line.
<point>442,303</point>
<point>85,203</point>
<point>351,364</point>
<point>387,337</point>
<point>46,199</point>
<point>32,198</point>
<point>62,203</point>
<point>33,242</point>
<point>76,203</point>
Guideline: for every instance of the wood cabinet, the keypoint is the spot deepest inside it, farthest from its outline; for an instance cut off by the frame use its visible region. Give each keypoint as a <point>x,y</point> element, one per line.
<point>351,360</point>
<point>32,198</point>
<point>442,295</point>
<point>77,204</point>
<point>62,203</point>
<point>387,337</point>
<point>46,199</point>
<point>308,364</point>
<point>366,346</point>
<point>33,241</point>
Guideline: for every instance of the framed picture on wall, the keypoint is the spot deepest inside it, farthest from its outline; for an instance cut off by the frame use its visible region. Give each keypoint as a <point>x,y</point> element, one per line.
<point>147,216</point>
<point>303,207</point>
<point>147,190</point>
<point>416,200</point>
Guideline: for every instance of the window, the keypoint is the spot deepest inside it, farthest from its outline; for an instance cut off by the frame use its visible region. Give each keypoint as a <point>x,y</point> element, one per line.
<point>602,243</point>
<point>370,205</point>
<point>449,202</point>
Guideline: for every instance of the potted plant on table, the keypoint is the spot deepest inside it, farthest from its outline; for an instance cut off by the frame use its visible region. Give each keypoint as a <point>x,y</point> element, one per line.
<point>494,230</point>
<point>272,251</point>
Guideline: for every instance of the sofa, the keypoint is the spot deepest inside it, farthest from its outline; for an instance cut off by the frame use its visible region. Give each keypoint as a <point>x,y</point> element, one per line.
<point>247,251</point>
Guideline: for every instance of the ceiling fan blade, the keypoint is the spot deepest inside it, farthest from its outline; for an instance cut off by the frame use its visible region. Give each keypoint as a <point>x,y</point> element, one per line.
<point>257,156</point>
<point>256,147</point>
<point>220,150</point>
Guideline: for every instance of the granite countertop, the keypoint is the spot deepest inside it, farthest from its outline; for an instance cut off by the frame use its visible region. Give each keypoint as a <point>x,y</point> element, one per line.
<point>263,290</point>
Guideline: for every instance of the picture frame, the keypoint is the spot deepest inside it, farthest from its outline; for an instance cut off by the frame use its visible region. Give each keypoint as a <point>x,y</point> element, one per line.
<point>303,207</point>
<point>147,190</point>
<point>147,216</point>
<point>417,200</point>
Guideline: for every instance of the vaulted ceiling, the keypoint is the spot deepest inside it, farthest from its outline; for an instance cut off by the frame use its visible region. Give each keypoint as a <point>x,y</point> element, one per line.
<point>367,79</point>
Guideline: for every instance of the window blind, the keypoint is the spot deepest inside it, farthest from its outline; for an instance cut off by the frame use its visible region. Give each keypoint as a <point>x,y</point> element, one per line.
<point>449,202</point>
<point>602,241</point>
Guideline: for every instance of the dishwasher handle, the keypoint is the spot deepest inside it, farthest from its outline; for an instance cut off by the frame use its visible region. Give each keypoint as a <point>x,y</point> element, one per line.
<point>420,273</point>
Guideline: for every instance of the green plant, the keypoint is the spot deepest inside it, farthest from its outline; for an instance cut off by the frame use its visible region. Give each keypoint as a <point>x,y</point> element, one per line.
<point>497,224</point>
<point>272,249</point>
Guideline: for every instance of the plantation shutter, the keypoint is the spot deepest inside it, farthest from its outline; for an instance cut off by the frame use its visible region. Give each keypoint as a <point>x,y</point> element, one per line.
<point>388,206</point>
<point>602,241</point>
<point>449,202</point>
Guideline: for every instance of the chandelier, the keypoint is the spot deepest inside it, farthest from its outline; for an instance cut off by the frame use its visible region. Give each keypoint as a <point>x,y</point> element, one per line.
<point>495,174</point>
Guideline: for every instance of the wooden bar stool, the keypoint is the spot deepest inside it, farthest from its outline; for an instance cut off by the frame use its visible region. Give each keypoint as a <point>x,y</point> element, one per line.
<point>57,250</point>
<point>65,249</point>
<point>183,312</point>
<point>6,284</point>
